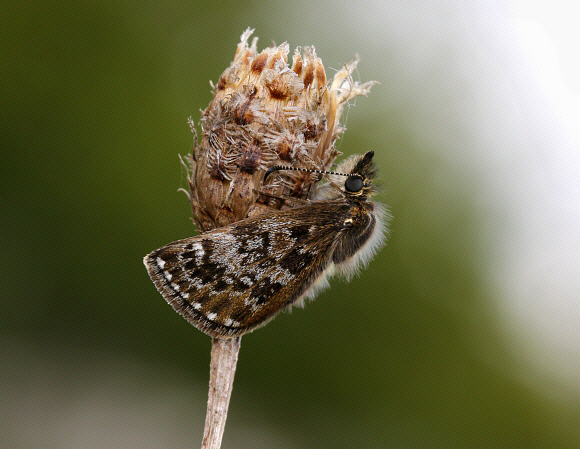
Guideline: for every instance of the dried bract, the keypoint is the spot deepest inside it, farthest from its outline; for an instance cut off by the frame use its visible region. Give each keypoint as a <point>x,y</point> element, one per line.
<point>266,113</point>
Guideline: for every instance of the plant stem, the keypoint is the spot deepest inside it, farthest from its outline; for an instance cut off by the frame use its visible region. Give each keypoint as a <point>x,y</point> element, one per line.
<point>224,357</point>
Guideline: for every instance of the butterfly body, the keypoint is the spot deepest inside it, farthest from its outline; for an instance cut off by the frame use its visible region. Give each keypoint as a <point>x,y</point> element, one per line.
<point>233,279</point>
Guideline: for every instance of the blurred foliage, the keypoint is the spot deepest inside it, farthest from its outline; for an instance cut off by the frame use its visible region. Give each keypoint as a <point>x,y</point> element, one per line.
<point>95,99</point>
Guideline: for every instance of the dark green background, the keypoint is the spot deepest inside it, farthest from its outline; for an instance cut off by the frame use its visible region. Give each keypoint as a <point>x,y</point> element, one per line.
<point>95,97</point>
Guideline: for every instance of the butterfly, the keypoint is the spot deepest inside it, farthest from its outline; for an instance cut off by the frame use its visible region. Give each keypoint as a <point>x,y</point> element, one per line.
<point>231,280</point>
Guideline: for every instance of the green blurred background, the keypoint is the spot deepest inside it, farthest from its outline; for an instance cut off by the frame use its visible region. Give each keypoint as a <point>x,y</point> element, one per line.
<point>419,351</point>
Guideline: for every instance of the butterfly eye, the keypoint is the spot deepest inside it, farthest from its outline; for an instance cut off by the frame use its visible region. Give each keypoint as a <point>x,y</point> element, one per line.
<point>353,184</point>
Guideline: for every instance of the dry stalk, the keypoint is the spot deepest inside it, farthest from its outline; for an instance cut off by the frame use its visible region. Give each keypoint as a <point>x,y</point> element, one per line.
<point>224,357</point>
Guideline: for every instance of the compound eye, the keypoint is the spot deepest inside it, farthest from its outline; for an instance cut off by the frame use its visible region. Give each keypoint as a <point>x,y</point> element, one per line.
<point>353,184</point>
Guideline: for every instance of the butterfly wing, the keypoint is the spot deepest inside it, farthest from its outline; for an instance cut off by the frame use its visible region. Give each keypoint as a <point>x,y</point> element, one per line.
<point>229,281</point>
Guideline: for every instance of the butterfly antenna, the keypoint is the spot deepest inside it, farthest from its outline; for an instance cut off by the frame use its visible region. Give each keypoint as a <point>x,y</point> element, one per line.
<point>308,170</point>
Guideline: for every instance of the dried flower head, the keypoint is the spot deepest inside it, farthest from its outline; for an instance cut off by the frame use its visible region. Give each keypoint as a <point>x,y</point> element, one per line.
<point>266,113</point>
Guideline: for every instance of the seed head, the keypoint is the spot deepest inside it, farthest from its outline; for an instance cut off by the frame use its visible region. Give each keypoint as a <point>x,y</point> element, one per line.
<point>266,113</point>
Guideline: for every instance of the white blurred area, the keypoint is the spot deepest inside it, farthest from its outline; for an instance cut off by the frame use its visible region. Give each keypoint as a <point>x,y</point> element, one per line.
<point>542,282</point>
<point>493,88</point>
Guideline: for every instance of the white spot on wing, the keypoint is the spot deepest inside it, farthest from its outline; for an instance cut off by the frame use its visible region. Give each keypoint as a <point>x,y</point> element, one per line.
<point>167,275</point>
<point>211,316</point>
<point>197,282</point>
<point>160,262</point>
<point>246,280</point>
<point>250,301</point>
<point>199,252</point>
<point>254,243</point>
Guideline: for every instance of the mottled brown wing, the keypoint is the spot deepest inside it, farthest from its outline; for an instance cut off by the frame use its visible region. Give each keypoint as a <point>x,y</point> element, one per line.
<point>231,280</point>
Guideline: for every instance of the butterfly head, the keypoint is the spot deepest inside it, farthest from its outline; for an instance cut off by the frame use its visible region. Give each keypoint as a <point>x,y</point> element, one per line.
<point>353,177</point>
<point>362,171</point>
